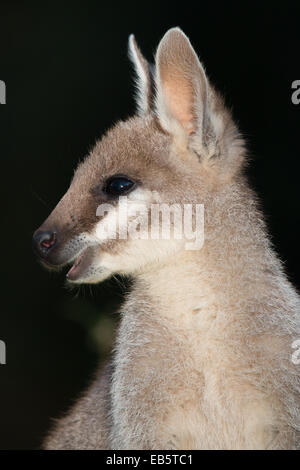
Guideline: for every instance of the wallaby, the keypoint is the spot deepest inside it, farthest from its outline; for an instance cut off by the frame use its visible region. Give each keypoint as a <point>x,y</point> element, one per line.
<point>203,354</point>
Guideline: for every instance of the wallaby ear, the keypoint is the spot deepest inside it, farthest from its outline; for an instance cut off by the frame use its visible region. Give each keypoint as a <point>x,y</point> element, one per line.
<point>186,104</point>
<point>143,77</point>
<point>190,110</point>
<point>181,84</point>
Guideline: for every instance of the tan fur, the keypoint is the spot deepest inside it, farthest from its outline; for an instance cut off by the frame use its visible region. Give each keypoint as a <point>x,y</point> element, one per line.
<point>203,353</point>
<point>81,428</point>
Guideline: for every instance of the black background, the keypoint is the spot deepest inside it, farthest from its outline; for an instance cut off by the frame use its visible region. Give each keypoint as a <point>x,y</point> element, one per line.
<point>68,79</point>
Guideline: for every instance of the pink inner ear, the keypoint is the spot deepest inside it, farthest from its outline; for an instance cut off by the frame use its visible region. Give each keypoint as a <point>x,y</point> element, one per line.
<point>179,98</point>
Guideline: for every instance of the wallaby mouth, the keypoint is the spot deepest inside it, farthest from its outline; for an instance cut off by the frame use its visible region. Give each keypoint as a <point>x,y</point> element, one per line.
<point>82,265</point>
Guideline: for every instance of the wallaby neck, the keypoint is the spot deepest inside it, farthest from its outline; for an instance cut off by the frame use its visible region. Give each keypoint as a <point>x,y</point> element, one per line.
<point>177,288</point>
<point>232,270</point>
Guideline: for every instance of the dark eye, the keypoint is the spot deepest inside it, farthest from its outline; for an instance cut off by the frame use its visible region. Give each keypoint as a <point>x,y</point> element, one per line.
<point>118,185</point>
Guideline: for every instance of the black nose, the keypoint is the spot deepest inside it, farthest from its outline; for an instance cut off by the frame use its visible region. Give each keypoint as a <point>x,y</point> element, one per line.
<point>43,242</point>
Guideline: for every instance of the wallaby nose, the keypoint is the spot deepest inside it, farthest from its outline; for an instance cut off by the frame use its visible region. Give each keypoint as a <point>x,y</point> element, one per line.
<point>43,242</point>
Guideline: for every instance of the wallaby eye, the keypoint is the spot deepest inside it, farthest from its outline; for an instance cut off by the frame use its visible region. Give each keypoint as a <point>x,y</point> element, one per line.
<point>118,185</point>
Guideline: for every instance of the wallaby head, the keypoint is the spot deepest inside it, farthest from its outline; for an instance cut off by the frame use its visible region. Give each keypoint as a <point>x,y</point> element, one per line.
<point>181,147</point>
